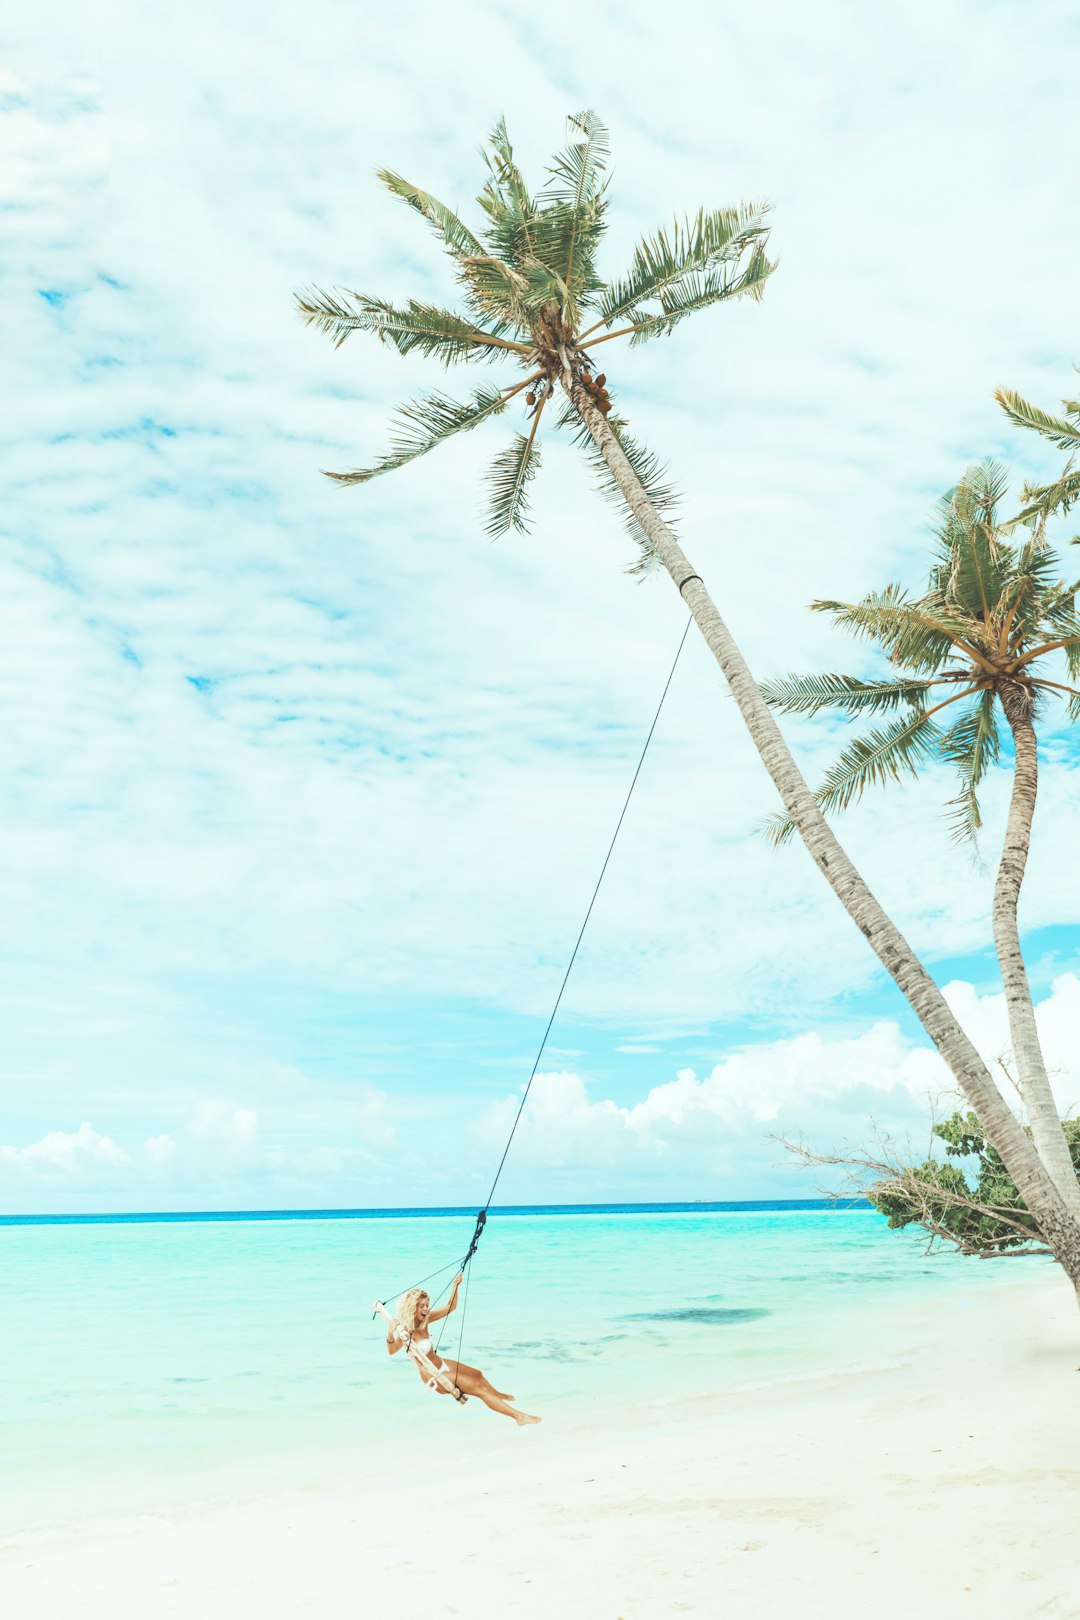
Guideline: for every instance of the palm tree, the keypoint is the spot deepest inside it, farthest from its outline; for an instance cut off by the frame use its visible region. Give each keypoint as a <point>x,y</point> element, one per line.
<point>532,293</point>
<point>1043,500</point>
<point>977,639</point>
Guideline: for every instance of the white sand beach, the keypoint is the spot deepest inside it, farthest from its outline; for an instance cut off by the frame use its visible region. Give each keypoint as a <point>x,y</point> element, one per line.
<point>944,1481</point>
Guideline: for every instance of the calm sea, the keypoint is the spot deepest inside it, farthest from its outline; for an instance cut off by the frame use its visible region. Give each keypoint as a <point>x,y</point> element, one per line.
<point>149,1359</point>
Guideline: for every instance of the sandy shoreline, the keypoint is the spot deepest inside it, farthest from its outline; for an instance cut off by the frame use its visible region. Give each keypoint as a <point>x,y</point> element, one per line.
<point>945,1483</point>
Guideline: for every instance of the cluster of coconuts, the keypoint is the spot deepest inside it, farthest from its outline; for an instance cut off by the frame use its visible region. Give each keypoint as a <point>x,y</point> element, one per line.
<point>594,387</point>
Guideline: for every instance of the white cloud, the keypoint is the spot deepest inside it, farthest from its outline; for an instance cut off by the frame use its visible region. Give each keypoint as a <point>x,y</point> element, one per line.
<point>68,1152</point>
<point>711,1134</point>
<point>723,1125</point>
<point>218,1122</point>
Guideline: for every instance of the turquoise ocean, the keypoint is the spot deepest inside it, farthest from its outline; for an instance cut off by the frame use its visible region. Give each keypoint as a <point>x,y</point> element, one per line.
<point>146,1361</point>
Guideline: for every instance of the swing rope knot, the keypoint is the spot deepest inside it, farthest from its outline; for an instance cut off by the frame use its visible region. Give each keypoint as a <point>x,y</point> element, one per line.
<point>481,1222</point>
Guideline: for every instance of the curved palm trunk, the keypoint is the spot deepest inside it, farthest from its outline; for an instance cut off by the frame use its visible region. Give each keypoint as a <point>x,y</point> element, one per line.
<point>1046,1131</point>
<point>1035,1186</point>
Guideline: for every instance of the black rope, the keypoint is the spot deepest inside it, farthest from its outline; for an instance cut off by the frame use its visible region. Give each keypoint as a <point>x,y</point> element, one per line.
<point>464,1308</point>
<point>577,942</point>
<point>419,1284</point>
<point>481,1219</point>
<point>687,580</point>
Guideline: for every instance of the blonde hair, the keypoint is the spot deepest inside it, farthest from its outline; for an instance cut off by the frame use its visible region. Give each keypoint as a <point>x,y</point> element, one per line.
<point>406,1308</point>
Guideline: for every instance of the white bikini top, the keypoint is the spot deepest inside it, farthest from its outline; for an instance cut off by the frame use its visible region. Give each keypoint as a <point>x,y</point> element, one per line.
<point>423,1345</point>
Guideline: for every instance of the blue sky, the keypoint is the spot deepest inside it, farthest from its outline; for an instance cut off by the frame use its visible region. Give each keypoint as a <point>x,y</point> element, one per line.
<point>304,790</point>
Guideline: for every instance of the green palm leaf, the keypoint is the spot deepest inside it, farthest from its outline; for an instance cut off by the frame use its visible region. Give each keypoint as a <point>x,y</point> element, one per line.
<point>509,477</point>
<point>972,745</point>
<point>881,756</point>
<point>662,261</point>
<point>1030,597</point>
<point>699,290</point>
<point>425,423</point>
<point>577,172</point>
<point>506,200</point>
<point>495,289</point>
<point>1063,621</point>
<point>974,565</point>
<point>921,637</point>
<point>1044,500</point>
<point>1060,431</point>
<point>456,235</point>
<point>807,694</point>
<point>576,192</point>
<point>650,470</point>
<point>419,327</point>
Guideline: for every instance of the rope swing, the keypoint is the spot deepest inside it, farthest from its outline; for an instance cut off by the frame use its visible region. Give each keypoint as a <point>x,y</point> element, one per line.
<point>482,1214</point>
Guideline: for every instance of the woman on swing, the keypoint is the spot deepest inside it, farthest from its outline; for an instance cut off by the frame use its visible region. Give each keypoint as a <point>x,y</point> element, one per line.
<point>411,1329</point>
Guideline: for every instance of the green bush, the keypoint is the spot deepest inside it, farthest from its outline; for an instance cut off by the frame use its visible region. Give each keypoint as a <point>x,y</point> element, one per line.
<point>974,1204</point>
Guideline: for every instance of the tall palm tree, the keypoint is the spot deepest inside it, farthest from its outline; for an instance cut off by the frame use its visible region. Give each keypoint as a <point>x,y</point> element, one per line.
<point>976,641</point>
<point>532,294</point>
<point>1043,500</point>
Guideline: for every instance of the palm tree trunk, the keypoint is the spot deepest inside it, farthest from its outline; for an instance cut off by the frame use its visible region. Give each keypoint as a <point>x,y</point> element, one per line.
<point>1061,1231</point>
<point>1047,1134</point>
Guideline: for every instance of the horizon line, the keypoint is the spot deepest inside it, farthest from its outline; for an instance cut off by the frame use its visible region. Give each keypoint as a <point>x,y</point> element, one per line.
<point>428,1211</point>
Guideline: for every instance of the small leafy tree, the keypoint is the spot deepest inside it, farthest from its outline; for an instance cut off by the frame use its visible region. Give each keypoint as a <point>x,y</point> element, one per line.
<point>969,1200</point>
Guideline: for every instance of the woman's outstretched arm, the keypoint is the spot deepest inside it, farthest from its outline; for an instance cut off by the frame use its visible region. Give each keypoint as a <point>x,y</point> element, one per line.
<point>451,1304</point>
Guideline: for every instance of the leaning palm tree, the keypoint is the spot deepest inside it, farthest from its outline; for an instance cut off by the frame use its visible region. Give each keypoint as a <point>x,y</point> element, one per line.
<point>973,646</point>
<point>1043,500</point>
<point>532,294</point>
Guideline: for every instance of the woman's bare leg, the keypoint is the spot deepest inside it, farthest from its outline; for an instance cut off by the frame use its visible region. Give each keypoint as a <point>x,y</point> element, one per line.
<point>485,1380</point>
<point>472,1382</point>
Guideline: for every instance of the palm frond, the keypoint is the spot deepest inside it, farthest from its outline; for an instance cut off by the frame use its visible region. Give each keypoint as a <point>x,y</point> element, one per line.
<point>984,485</point>
<point>425,423</point>
<point>421,327</point>
<point>544,289</point>
<point>880,756</point>
<point>506,201</point>
<point>699,290</point>
<point>1031,598</point>
<point>973,564</point>
<point>508,478</point>
<point>456,235</point>
<point>572,206</point>
<point>911,633</point>
<point>648,468</point>
<point>494,289</point>
<point>1045,500</point>
<point>778,828</point>
<point>1060,431</point>
<point>807,694</point>
<point>661,261</point>
<point>577,172</point>
<point>972,745</point>
<point>1061,618</point>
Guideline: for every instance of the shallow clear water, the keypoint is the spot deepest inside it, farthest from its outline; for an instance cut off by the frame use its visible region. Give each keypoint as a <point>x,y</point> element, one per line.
<point>136,1355</point>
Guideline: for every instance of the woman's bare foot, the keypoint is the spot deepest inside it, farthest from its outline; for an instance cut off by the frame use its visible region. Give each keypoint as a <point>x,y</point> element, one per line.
<point>521,1418</point>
